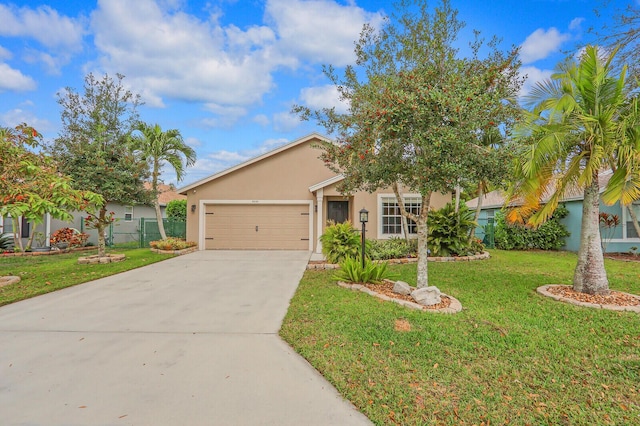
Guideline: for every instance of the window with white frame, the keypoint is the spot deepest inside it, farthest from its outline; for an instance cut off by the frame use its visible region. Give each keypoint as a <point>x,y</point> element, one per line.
<point>391,218</point>
<point>128,213</point>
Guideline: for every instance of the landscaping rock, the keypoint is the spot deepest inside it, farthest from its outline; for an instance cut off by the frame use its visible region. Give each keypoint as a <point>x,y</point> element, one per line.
<point>427,296</point>
<point>401,287</point>
<point>8,280</point>
<point>109,258</point>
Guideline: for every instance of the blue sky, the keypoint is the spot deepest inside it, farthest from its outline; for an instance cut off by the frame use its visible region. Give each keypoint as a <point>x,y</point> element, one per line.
<point>226,72</point>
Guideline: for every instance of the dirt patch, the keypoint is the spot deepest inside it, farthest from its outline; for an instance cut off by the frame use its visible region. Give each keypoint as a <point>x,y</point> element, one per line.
<point>625,257</point>
<point>402,325</point>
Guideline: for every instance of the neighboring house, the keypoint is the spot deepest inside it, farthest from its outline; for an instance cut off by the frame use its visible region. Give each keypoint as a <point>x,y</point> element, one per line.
<point>126,229</point>
<point>282,200</point>
<point>623,237</point>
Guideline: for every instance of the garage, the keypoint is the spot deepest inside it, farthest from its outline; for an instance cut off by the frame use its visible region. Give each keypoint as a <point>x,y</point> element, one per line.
<point>257,226</point>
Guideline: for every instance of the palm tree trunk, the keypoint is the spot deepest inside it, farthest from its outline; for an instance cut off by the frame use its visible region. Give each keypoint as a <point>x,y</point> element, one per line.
<point>634,218</point>
<point>163,234</point>
<point>590,276</point>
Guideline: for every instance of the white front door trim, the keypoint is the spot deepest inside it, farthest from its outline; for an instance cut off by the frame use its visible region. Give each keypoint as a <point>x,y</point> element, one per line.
<point>204,203</point>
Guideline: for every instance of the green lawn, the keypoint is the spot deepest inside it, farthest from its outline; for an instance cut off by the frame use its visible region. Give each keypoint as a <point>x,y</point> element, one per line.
<point>511,356</point>
<point>43,274</point>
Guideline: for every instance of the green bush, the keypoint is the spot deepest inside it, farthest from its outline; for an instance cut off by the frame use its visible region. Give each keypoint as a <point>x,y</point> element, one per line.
<point>449,232</point>
<point>177,209</point>
<point>351,270</point>
<point>549,236</point>
<point>393,248</point>
<point>339,241</point>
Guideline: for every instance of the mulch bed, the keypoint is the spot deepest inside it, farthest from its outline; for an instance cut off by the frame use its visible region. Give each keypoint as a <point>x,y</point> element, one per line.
<point>626,257</point>
<point>614,298</point>
<point>386,288</point>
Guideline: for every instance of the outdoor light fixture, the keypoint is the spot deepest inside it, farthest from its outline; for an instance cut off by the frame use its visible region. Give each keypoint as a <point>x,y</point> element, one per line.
<point>364,218</point>
<point>193,208</point>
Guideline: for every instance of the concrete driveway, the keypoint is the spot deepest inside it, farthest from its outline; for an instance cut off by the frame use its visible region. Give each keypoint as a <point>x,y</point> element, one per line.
<point>188,341</point>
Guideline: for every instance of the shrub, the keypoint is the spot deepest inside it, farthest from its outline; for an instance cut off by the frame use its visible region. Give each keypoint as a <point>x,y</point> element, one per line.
<point>339,241</point>
<point>351,270</point>
<point>6,242</point>
<point>549,236</point>
<point>70,236</point>
<point>172,244</point>
<point>393,248</point>
<point>449,232</point>
<point>177,209</point>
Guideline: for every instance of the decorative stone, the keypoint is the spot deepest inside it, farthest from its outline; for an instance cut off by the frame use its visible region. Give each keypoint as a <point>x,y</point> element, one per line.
<point>427,296</point>
<point>8,280</point>
<point>95,259</point>
<point>401,287</point>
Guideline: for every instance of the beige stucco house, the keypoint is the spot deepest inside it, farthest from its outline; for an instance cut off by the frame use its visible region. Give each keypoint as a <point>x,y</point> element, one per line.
<point>282,200</point>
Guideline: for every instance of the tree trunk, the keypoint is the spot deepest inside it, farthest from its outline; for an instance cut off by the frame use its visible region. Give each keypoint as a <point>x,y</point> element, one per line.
<point>634,218</point>
<point>423,248</point>
<point>17,233</point>
<point>100,227</point>
<point>472,231</point>
<point>590,276</point>
<point>163,234</point>
<point>156,202</point>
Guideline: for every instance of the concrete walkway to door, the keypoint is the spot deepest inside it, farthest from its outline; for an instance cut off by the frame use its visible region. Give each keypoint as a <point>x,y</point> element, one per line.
<point>188,341</point>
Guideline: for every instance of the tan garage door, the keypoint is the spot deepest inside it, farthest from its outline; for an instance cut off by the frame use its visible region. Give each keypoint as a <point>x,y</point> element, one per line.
<point>257,227</point>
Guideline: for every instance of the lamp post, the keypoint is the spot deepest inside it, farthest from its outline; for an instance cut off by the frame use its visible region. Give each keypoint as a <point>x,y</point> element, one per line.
<point>364,218</point>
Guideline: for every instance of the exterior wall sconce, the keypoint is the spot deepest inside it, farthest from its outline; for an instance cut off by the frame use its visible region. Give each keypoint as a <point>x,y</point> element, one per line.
<point>193,208</point>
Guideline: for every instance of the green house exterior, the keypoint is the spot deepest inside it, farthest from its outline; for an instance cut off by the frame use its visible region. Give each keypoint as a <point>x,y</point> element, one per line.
<point>620,239</point>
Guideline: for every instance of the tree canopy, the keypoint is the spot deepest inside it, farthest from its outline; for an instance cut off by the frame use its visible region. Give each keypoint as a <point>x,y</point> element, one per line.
<point>418,109</point>
<point>159,148</point>
<point>31,185</point>
<point>94,145</point>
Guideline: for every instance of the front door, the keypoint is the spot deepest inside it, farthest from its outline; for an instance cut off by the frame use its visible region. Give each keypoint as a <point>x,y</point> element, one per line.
<point>338,211</point>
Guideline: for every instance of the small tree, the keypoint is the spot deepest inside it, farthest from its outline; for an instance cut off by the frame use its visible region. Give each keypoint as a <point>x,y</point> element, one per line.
<point>31,186</point>
<point>158,147</point>
<point>177,210</point>
<point>94,145</point>
<point>582,122</point>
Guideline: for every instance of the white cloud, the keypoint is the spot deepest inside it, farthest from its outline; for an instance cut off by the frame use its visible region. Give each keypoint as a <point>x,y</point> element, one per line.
<point>261,119</point>
<point>533,75</point>
<point>16,116</point>
<point>172,54</point>
<point>575,24</point>
<point>323,97</point>
<point>43,24</point>
<point>225,116</point>
<point>539,44</point>
<point>61,35</point>
<point>285,121</point>
<point>319,31</point>
<point>193,142</point>
<point>5,54</point>
<point>12,79</point>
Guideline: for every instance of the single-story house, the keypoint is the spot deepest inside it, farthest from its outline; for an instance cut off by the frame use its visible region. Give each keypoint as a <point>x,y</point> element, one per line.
<point>283,199</point>
<point>126,228</point>
<point>623,237</point>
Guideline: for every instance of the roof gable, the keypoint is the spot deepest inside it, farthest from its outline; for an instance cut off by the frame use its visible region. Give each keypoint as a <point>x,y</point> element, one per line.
<point>251,161</point>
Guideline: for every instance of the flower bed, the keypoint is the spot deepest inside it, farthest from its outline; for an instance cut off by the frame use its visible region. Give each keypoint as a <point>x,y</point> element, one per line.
<point>172,244</point>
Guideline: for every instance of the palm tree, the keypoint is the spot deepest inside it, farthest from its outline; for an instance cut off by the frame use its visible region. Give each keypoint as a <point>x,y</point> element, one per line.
<point>577,129</point>
<point>159,147</point>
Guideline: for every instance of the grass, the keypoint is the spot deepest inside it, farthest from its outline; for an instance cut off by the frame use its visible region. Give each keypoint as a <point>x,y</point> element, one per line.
<point>510,357</point>
<point>44,274</point>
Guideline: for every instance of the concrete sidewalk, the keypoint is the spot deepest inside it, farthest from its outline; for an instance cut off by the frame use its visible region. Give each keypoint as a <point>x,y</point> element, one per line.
<point>188,341</point>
